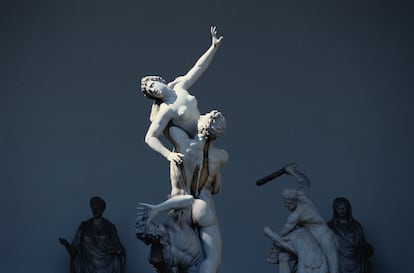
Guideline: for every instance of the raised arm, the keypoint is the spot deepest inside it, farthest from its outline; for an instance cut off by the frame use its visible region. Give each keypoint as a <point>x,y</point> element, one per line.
<point>303,181</point>
<point>201,65</point>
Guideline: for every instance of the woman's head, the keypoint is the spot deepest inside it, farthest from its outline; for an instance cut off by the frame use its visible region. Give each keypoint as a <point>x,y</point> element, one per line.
<point>211,125</point>
<point>151,86</point>
<point>342,208</point>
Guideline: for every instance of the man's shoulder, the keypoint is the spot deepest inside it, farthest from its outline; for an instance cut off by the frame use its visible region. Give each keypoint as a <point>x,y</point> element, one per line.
<point>85,223</point>
<point>221,154</point>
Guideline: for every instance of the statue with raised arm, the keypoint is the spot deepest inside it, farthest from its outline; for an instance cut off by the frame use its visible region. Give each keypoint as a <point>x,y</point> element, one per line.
<point>303,213</point>
<point>173,104</point>
<point>354,250</point>
<point>195,165</point>
<point>96,246</point>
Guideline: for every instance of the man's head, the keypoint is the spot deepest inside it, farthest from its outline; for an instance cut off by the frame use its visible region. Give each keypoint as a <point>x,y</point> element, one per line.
<point>290,198</point>
<point>97,205</point>
<point>148,231</point>
<point>211,125</point>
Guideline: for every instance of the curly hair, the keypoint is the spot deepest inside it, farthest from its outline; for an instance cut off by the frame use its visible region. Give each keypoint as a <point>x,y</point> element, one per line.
<point>149,231</point>
<point>212,125</point>
<point>145,90</point>
<point>290,193</point>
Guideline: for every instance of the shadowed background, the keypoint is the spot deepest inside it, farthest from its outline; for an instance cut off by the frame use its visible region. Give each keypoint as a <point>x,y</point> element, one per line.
<point>322,83</point>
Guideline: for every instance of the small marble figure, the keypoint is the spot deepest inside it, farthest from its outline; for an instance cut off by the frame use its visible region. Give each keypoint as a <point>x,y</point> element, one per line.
<point>300,244</point>
<point>173,104</point>
<point>96,246</point>
<point>354,251</point>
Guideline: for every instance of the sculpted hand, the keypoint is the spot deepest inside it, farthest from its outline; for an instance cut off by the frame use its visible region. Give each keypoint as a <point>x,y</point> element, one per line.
<point>175,157</point>
<point>214,40</point>
<point>63,241</point>
<point>291,168</point>
<point>146,211</point>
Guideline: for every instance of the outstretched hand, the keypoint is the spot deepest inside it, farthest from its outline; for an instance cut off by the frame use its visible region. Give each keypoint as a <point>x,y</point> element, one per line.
<point>146,211</point>
<point>63,241</point>
<point>214,40</point>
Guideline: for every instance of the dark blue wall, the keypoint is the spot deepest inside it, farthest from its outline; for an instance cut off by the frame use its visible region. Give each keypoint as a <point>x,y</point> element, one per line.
<point>322,83</point>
